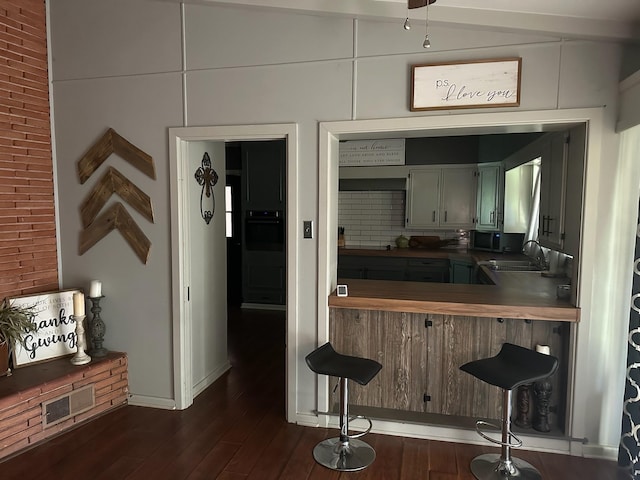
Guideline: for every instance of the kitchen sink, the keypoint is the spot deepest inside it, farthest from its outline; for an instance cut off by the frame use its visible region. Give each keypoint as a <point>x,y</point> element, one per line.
<point>511,265</point>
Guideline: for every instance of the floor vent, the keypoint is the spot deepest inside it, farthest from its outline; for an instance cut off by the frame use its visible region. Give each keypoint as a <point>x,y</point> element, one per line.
<point>66,406</point>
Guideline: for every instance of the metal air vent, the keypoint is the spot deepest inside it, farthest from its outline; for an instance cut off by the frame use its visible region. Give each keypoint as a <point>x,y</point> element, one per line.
<point>72,403</point>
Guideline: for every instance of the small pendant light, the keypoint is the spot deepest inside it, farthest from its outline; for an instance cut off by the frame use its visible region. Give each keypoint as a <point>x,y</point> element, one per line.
<point>427,42</point>
<point>407,22</point>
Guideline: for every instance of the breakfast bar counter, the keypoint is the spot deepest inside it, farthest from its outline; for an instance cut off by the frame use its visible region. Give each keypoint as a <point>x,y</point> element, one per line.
<point>524,295</point>
<point>422,331</point>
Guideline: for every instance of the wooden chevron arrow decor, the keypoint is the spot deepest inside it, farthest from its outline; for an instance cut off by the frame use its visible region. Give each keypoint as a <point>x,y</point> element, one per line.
<point>110,143</point>
<point>116,217</point>
<point>114,182</point>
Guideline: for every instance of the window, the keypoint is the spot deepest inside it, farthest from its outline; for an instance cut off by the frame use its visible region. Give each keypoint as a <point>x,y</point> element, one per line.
<point>228,211</point>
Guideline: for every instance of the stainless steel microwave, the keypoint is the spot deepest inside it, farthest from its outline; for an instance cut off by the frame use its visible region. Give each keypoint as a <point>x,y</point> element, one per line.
<point>496,241</point>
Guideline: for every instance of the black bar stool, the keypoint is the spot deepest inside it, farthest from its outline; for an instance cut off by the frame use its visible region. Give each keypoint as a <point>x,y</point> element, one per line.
<point>345,453</point>
<point>512,367</point>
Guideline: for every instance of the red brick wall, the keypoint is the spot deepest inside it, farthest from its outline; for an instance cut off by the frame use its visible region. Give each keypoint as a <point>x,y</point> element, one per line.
<point>21,425</point>
<point>28,254</point>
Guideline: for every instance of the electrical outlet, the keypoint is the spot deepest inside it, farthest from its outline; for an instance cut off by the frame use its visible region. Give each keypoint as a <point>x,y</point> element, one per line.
<point>307,228</point>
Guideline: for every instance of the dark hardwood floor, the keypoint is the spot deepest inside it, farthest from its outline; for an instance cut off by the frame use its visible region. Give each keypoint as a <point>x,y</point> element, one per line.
<point>236,429</point>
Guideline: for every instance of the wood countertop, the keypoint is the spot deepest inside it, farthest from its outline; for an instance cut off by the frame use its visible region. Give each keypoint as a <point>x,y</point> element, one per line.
<point>443,253</point>
<point>526,295</point>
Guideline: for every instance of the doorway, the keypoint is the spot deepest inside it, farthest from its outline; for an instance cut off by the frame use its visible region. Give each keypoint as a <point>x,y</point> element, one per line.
<point>182,277</point>
<point>331,133</point>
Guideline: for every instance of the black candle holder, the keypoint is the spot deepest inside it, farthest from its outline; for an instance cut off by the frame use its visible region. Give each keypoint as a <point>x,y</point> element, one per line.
<point>542,391</point>
<point>523,403</point>
<point>98,329</point>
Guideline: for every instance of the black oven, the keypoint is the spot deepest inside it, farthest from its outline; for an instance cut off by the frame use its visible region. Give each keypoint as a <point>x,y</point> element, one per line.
<point>264,230</point>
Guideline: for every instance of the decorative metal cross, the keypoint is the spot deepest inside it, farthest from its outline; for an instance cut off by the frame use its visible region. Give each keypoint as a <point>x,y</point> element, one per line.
<point>207,177</point>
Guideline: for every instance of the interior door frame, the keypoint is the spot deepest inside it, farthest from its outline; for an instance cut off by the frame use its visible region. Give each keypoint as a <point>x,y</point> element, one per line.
<point>179,137</point>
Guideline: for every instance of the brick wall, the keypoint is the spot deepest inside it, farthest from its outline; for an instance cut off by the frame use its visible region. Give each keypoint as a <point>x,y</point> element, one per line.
<point>21,425</point>
<point>28,254</point>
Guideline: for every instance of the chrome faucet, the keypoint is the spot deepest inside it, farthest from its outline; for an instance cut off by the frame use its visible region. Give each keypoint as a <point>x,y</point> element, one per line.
<point>539,258</point>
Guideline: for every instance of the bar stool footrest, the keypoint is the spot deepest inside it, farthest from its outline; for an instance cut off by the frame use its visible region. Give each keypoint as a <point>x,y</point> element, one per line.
<point>360,434</point>
<point>482,423</point>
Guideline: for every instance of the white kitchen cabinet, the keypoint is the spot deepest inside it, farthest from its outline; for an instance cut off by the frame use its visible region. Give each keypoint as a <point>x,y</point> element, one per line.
<point>441,198</point>
<point>553,178</point>
<point>423,198</point>
<point>490,194</point>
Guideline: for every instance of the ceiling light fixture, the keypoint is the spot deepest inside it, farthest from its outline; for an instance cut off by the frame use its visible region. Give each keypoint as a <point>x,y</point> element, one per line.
<point>407,22</point>
<point>411,4</point>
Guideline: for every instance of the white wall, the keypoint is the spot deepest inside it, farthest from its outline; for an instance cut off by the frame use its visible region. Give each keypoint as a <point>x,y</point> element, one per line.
<point>207,266</point>
<point>118,64</point>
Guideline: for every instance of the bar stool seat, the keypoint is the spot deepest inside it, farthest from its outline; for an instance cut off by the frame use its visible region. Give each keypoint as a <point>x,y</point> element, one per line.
<point>345,453</point>
<point>511,367</point>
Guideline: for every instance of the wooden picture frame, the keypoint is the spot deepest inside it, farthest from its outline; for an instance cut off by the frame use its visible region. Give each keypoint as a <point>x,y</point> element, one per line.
<point>56,333</point>
<point>468,84</point>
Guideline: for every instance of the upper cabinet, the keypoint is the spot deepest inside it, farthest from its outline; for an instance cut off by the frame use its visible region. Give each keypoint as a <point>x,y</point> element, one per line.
<point>423,198</point>
<point>561,187</point>
<point>442,198</point>
<point>263,175</point>
<point>559,158</point>
<point>553,178</point>
<point>490,194</point>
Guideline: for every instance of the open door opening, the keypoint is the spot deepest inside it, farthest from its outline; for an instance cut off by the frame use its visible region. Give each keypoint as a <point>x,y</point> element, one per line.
<point>198,310</point>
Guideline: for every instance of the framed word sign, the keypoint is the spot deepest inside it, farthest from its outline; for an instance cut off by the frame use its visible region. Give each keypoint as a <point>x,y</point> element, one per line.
<point>56,329</point>
<point>473,84</point>
<point>389,151</point>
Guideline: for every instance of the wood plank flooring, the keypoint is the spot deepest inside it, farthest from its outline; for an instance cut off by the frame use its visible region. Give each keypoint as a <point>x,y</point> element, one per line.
<point>236,430</point>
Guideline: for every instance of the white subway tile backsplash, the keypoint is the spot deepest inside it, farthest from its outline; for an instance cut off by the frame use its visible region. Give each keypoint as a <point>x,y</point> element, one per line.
<point>376,218</point>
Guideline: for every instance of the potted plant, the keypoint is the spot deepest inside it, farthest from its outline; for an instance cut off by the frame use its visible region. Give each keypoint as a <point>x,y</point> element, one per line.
<point>15,322</point>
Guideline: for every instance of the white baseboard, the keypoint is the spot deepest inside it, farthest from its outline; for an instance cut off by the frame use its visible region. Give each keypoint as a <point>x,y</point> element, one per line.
<point>307,420</point>
<point>536,443</point>
<point>209,379</point>
<point>153,402</point>
<point>170,403</point>
<point>599,451</point>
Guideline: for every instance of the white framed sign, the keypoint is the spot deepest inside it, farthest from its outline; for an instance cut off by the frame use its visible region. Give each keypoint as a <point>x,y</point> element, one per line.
<point>386,151</point>
<point>56,329</point>
<point>471,84</point>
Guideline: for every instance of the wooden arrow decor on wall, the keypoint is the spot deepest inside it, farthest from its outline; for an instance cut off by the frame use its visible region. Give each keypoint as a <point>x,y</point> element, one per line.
<point>116,217</point>
<point>110,143</point>
<point>114,182</point>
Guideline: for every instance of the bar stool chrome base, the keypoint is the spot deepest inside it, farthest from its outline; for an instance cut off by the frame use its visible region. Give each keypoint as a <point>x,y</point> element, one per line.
<point>351,456</point>
<point>491,466</point>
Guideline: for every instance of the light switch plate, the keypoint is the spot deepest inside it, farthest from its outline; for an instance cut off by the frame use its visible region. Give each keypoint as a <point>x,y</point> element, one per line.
<point>307,228</point>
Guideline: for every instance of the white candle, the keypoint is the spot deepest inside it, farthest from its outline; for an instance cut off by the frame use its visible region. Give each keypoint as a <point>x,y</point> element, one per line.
<point>95,290</point>
<point>78,304</point>
<point>543,349</point>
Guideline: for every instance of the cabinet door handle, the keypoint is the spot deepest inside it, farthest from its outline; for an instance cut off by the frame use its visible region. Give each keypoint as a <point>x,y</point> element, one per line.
<point>549,232</point>
<point>491,215</point>
<point>433,217</point>
<point>445,215</point>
